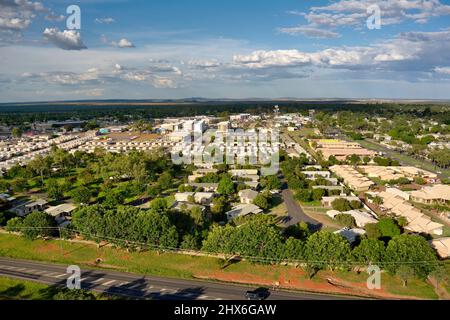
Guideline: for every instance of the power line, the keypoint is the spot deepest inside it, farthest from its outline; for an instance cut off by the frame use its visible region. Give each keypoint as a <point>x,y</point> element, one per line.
<point>251,258</point>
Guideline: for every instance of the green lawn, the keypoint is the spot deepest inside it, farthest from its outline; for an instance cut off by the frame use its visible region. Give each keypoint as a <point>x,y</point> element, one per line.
<point>12,289</point>
<point>17,289</point>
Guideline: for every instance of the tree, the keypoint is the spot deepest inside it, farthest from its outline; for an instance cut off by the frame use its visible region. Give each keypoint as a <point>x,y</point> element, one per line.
<point>14,224</point>
<point>159,205</point>
<point>261,201</point>
<point>38,224</point>
<point>53,189</point>
<point>355,204</point>
<point>304,195</point>
<point>294,249</point>
<point>165,180</point>
<point>113,198</point>
<point>5,216</point>
<point>325,249</point>
<point>40,166</point>
<point>346,220</point>
<point>369,251</point>
<point>74,294</point>
<point>81,195</point>
<point>318,194</point>
<point>354,159</point>
<point>388,227</point>
<point>408,250</point>
<point>341,204</point>
<point>272,182</point>
<point>218,208</point>
<point>226,185</point>
<point>189,242</point>
<point>16,132</point>
<point>372,230</point>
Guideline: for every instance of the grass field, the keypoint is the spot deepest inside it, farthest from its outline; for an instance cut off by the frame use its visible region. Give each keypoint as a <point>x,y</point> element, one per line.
<point>172,264</point>
<point>19,289</point>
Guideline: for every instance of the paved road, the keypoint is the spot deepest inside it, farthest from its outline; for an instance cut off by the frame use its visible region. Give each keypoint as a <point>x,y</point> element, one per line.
<point>138,286</point>
<point>295,212</point>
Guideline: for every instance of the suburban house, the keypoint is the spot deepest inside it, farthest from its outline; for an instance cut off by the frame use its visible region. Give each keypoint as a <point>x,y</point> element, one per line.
<point>351,234</point>
<point>242,210</point>
<point>60,212</point>
<point>203,197</point>
<point>327,201</point>
<point>207,187</point>
<point>199,197</point>
<point>183,196</point>
<point>361,217</point>
<point>352,178</point>
<point>417,221</point>
<point>317,174</point>
<point>28,207</point>
<point>442,246</point>
<point>183,206</point>
<point>247,196</point>
<point>436,194</point>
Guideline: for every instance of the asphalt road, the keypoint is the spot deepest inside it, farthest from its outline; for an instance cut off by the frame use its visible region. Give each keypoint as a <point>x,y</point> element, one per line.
<point>138,286</point>
<point>295,212</point>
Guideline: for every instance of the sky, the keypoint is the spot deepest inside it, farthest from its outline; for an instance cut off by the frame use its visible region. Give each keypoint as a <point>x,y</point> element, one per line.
<point>167,49</point>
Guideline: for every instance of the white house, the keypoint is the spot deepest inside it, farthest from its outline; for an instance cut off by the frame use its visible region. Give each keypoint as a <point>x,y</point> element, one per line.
<point>247,196</point>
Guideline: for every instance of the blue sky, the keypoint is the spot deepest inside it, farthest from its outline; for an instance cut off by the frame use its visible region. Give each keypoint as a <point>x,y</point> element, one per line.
<point>217,49</point>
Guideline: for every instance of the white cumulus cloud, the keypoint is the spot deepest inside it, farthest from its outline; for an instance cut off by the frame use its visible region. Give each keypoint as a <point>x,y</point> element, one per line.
<point>67,39</point>
<point>123,43</point>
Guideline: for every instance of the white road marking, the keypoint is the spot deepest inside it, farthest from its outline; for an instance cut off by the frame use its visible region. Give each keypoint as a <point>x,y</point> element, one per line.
<point>98,280</point>
<point>135,286</point>
<point>109,283</point>
<point>61,275</point>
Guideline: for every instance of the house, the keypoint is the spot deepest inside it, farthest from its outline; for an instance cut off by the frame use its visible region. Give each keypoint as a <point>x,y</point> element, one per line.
<point>63,209</point>
<point>199,197</point>
<point>242,210</point>
<point>352,178</point>
<point>317,174</point>
<point>186,206</point>
<point>6,197</point>
<point>243,172</point>
<point>350,234</point>
<point>183,196</point>
<point>30,206</point>
<point>203,197</point>
<point>361,217</point>
<point>327,201</point>
<point>417,221</point>
<point>60,212</point>
<point>207,187</point>
<point>442,246</point>
<point>436,194</point>
<point>247,196</point>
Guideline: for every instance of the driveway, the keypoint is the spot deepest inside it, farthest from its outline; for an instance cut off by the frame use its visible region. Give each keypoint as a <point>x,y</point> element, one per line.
<point>295,212</point>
